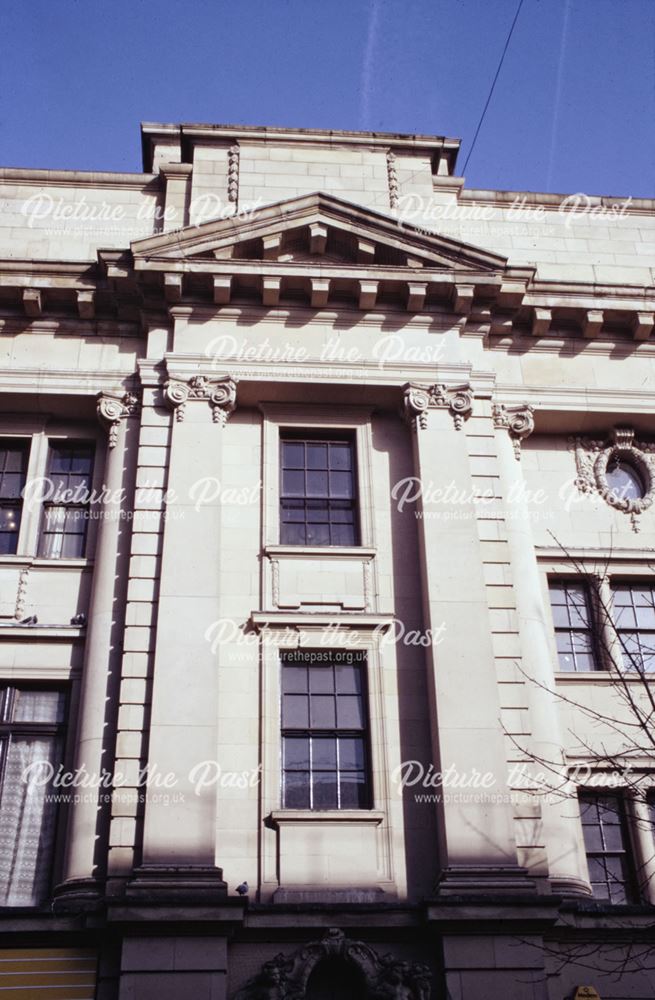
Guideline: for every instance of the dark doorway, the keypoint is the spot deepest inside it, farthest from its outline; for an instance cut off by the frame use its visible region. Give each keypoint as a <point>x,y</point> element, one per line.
<point>335,979</point>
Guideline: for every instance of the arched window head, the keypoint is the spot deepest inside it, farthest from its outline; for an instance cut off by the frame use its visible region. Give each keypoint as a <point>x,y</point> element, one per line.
<point>336,979</point>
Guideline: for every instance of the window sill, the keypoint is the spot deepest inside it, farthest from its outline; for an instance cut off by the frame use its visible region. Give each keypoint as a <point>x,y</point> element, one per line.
<point>320,619</point>
<point>354,551</point>
<point>13,630</point>
<point>281,816</point>
<point>602,676</point>
<point>41,562</point>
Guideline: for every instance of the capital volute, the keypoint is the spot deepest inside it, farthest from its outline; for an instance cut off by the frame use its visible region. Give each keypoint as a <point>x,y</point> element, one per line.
<point>221,394</point>
<point>517,420</point>
<point>112,407</point>
<point>418,399</point>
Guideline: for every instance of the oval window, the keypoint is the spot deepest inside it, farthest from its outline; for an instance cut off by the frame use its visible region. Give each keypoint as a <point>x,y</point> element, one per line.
<point>624,481</point>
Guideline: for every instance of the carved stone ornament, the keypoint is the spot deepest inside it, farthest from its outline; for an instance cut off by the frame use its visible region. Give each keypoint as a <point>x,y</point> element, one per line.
<point>286,977</point>
<point>392,177</point>
<point>418,399</point>
<point>233,174</point>
<point>221,394</point>
<point>517,420</point>
<point>593,457</point>
<point>112,407</point>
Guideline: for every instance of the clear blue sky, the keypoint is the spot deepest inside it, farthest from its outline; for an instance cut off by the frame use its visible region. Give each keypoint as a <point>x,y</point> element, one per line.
<point>573,110</point>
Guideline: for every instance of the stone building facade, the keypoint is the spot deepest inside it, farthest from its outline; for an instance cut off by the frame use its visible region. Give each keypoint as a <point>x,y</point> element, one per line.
<point>326,539</point>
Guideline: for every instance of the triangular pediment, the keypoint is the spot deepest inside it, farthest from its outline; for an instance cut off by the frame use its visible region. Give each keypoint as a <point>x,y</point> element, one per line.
<point>317,229</point>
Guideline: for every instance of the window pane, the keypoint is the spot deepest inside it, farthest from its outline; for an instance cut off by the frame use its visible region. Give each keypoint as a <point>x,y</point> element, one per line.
<point>12,485</point>
<point>27,823</point>
<point>293,510</point>
<point>317,484</point>
<point>72,547</point>
<point>13,456</point>
<point>561,616</point>
<point>341,456</point>
<point>621,595</point>
<point>317,455</point>
<point>294,679</point>
<point>325,790</point>
<point>296,753</point>
<point>293,483</point>
<point>322,710</point>
<point>295,711</point>
<point>593,838</point>
<point>296,790</point>
<point>343,534</point>
<point>349,679</point>
<point>581,642</point>
<point>292,534</point>
<point>341,484</point>
<point>324,753</point>
<point>293,455</point>
<point>350,714</point>
<point>351,753</point>
<point>321,680</point>
<point>39,706</point>
<point>318,534</point>
<point>320,473</point>
<point>354,792</point>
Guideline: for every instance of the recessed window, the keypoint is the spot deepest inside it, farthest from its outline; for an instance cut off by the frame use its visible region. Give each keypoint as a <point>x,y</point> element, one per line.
<point>317,492</point>
<point>634,618</point>
<point>574,634</point>
<point>13,470</point>
<point>611,871</point>
<point>66,508</point>
<point>324,731</point>
<point>624,481</point>
<point>31,741</point>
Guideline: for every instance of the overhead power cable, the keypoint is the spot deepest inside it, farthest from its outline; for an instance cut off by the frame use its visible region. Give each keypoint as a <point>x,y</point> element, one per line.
<point>500,66</point>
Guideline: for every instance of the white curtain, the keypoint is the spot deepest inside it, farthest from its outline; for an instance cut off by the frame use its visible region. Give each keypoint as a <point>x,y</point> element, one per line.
<point>27,823</point>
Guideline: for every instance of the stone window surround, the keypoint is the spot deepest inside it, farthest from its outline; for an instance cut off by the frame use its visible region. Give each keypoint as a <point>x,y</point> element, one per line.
<point>271,753</point>
<point>599,578</point>
<point>279,417</point>
<point>631,828</point>
<point>39,430</point>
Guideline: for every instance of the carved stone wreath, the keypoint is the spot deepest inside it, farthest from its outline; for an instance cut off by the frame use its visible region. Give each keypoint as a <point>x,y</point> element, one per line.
<point>593,457</point>
<point>286,977</point>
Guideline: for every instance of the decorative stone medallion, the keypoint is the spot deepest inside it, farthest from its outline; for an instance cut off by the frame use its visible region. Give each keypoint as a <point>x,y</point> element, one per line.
<point>286,977</point>
<point>597,460</point>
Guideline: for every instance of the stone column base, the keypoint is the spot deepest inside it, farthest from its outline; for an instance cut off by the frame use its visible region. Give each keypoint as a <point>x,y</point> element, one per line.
<point>460,880</point>
<point>156,883</point>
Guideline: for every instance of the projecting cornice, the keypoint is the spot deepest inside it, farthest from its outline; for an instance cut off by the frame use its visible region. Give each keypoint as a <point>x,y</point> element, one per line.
<point>320,252</point>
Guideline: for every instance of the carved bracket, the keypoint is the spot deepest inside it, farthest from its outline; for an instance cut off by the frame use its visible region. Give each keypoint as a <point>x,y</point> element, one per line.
<point>593,459</point>
<point>221,394</point>
<point>112,407</point>
<point>418,399</point>
<point>517,420</point>
<point>286,977</point>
